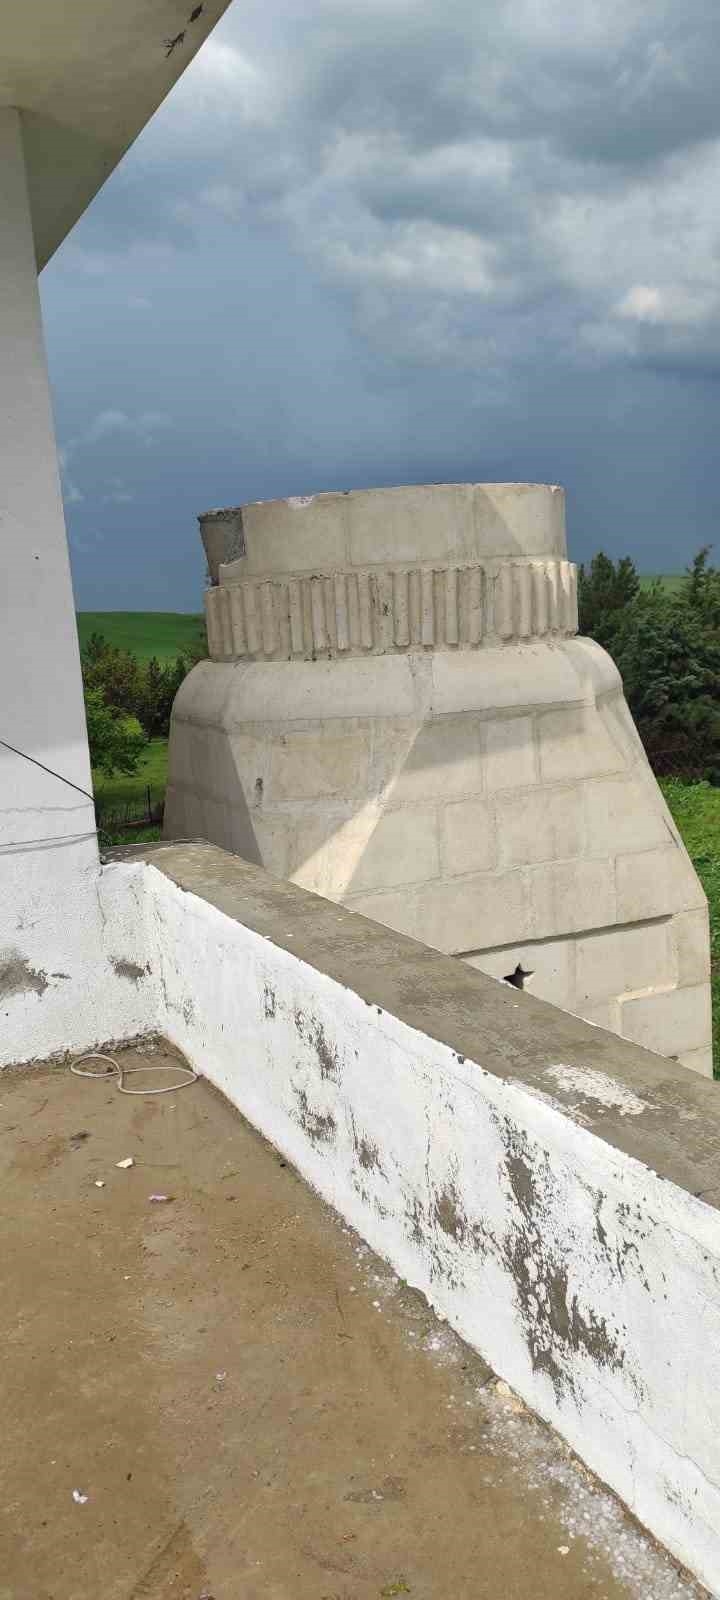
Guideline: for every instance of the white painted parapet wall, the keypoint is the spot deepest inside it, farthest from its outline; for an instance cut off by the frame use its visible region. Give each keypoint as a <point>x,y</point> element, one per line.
<point>550,1188</point>
<point>398,715</point>
<point>553,1190</point>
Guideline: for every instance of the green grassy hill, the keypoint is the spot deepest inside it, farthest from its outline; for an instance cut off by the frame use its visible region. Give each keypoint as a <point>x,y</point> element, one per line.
<point>672,581</point>
<point>165,634</point>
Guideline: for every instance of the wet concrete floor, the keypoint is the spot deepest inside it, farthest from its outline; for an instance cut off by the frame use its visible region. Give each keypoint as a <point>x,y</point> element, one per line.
<point>254,1407</point>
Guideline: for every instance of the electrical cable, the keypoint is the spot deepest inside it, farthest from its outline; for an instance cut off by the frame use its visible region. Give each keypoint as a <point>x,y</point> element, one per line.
<point>21,844</point>
<point>121,1073</point>
<point>41,764</point>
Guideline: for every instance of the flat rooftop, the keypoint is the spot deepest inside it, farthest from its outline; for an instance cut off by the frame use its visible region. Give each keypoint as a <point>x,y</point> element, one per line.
<point>253,1405</point>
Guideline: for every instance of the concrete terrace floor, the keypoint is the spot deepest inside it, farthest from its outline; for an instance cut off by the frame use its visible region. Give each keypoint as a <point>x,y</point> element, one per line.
<point>252,1403</point>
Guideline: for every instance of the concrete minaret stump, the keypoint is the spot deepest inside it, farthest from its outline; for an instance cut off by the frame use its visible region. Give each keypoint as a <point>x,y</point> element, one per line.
<point>397,714</point>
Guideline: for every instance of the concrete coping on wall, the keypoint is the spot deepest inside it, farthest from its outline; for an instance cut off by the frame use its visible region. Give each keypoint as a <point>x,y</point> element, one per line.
<point>646,1106</point>
<point>550,1188</point>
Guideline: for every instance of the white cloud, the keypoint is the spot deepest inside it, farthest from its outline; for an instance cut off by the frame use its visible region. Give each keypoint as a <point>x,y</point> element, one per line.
<point>512,174</point>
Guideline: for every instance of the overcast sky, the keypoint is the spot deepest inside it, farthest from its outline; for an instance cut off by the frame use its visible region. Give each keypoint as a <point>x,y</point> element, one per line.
<point>369,242</point>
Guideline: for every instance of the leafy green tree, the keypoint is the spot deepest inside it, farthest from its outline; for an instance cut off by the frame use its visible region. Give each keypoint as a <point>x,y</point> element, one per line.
<point>702,589</point>
<point>153,703</point>
<point>116,742</point>
<point>669,660</point>
<point>117,673</point>
<point>604,592</point>
<point>667,648</point>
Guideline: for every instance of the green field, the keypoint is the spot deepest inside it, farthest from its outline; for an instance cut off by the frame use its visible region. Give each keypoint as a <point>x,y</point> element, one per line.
<point>129,789</point>
<point>165,634</point>
<point>671,581</point>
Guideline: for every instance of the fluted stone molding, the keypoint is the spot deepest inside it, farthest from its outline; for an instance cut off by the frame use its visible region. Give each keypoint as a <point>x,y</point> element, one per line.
<point>382,610</point>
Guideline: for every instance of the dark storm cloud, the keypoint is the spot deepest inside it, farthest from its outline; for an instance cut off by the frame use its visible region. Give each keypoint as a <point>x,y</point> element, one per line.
<point>401,238</point>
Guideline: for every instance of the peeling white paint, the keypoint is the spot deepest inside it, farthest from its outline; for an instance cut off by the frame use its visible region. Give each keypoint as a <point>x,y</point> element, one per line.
<point>549,1250</point>
<point>592,1085</point>
<point>590,1285</point>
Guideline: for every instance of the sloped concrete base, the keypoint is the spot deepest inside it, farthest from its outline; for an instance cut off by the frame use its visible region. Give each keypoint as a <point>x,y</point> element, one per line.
<point>497,805</point>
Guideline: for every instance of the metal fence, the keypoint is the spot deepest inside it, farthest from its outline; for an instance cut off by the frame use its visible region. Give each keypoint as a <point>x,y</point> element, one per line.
<point>143,811</point>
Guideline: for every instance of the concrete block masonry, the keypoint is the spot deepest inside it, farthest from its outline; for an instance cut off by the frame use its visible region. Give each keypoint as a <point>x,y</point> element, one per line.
<point>552,1189</point>
<point>396,714</point>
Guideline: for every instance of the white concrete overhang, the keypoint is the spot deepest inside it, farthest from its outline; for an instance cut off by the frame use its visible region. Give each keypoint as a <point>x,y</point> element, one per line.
<point>86,76</point>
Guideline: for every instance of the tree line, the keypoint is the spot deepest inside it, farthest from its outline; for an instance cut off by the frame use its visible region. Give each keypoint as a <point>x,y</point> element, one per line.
<point>128,701</point>
<point>666,645</point>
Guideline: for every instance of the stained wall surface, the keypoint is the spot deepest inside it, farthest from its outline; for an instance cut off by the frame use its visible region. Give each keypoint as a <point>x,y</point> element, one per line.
<point>552,1189</point>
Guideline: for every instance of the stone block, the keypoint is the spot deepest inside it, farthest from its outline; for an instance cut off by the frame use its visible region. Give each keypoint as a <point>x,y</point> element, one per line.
<point>690,932</point>
<point>310,848</point>
<point>271,840</point>
<point>215,821</point>
<point>402,847</point>
<point>698,1061</point>
<point>677,1021</point>
<point>180,766</point>
<point>617,960</point>
<point>201,752</point>
<point>573,744</point>
<point>510,760</point>
<point>540,825</point>
<point>294,535</point>
<point>470,913</point>
<point>656,883</point>
<point>181,805</point>
<point>594,668</point>
<point>499,680</point>
<point>318,763</point>
<point>615,717</point>
<point>394,909</point>
<point>570,897</point>
<point>280,692</point>
<point>203,693</point>
<point>223,771</point>
<point>249,754</point>
<point>551,963</point>
<point>424,522</point>
<point>603,1014</point>
<point>440,760</point>
<point>621,817</point>
<point>467,833</point>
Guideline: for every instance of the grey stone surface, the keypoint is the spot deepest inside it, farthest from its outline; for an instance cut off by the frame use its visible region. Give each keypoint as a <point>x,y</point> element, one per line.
<point>397,716</point>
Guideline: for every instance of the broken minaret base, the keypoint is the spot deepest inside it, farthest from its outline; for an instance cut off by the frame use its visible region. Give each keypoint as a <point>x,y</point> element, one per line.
<point>396,713</point>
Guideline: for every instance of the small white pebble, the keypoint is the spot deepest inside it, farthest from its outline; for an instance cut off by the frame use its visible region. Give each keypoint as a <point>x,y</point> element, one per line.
<point>79,1498</point>
<point>563,1549</point>
<point>376,1304</point>
<point>352,1289</point>
<point>220,1376</point>
<point>99,1183</point>
<point>128,1162</point>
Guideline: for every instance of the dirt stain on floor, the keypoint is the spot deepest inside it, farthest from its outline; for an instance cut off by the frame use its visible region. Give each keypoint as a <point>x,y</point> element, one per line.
<point>255,1408</point>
